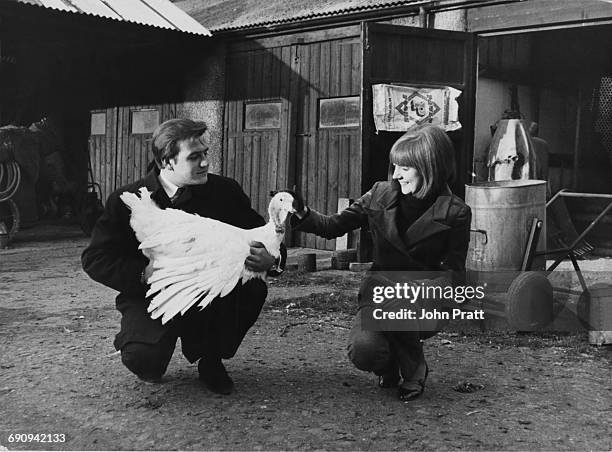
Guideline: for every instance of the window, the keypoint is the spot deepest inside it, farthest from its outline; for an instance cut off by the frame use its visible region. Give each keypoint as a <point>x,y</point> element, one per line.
<point>339,112</point>
<point>98,123</point>
<point>144,121</point>
<point>262,115</point>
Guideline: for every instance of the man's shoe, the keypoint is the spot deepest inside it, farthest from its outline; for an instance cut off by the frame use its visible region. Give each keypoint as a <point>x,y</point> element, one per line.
<point>214,376</point>
<point>149,378</point>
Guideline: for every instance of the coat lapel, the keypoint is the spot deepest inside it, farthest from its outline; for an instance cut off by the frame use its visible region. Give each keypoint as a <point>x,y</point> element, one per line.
<point>158,194</point>
<point>433,221</point>
<point>385,218</point>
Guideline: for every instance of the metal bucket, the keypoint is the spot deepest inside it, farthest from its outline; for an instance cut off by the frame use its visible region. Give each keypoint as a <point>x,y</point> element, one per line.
<point>502,217</point>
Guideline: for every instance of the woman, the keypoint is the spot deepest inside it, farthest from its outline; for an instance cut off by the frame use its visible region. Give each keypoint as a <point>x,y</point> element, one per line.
<point>420,231</point>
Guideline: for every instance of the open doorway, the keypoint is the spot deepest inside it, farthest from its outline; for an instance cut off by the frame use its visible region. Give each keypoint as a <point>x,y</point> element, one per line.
<point>563,79</point>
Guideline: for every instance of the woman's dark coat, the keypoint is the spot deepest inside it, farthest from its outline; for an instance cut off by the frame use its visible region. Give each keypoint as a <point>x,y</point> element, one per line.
<point>433,248</point>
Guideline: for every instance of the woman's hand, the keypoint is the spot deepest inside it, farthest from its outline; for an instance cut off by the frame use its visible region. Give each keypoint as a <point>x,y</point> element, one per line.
<point>298,204</point>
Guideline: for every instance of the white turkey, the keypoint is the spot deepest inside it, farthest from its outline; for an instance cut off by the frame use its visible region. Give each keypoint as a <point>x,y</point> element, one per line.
<point>195,259</point>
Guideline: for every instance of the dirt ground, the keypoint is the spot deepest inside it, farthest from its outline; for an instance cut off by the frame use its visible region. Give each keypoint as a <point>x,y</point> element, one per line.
<point>295,388</point>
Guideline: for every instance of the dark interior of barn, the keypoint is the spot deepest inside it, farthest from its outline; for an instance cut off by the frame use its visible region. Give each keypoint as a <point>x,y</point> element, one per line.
<point>563,81</point>
<point>59,68</point>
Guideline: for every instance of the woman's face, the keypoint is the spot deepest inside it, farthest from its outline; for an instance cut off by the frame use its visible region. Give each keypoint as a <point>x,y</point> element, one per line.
<point>408,178</point>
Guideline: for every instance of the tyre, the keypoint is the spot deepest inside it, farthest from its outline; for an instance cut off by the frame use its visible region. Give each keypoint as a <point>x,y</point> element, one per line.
<point>530,302</point>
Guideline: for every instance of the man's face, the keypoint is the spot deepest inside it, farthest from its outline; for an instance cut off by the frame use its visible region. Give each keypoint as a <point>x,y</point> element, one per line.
<point>190,166</point>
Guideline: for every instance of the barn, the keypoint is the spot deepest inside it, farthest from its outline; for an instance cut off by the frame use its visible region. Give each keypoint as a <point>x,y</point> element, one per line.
<point>298,103</point>
<point>287,64</point>
<point>287,91</point>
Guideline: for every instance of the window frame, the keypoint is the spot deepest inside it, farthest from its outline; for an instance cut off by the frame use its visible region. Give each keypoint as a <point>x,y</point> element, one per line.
<point>247,104</point>
<point>91,123</point>
<point>143,110</point>
<point>356,97</point>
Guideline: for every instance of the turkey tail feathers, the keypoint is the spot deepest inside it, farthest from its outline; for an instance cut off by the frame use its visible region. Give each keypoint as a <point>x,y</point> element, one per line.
<point>178,293</point>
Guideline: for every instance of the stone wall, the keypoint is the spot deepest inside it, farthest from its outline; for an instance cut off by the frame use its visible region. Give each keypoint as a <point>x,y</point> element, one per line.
<point>204,94</point>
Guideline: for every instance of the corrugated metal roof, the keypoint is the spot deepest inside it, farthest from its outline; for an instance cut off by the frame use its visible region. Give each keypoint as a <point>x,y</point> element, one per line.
<point>156,13</point>
<point>220,15</point>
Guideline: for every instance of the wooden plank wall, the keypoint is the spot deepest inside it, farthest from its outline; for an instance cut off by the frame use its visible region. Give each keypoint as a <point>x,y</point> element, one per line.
<point>419,57</point>
<point>323,164</point>
<point>119,157</point>
<point>538,14</point>
<point>101,149</point>
<point>258,160</point>
<point>329,159</point>
<point>506,56</point>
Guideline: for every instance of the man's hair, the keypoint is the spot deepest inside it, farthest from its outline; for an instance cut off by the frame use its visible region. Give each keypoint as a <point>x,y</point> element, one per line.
<point>430,151</point>
<point>167,135</point>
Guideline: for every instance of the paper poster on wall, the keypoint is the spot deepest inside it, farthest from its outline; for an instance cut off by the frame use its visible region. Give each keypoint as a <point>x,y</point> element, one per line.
<point>401,108</point>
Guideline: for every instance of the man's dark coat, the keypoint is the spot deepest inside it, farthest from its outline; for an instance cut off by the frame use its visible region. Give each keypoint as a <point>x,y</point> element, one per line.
<point>113,257</point>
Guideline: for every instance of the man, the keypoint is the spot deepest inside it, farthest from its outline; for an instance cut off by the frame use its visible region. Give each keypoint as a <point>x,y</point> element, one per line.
<point>113,259</point>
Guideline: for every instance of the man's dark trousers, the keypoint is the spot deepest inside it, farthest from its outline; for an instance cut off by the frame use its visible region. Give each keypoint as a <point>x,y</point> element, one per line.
<point>214,332</point>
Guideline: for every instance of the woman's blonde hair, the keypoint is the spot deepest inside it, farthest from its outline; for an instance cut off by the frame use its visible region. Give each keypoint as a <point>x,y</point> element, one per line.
<point>430,151</point>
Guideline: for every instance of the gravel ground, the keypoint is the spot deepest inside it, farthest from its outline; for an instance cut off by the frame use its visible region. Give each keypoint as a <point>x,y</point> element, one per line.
<point>295,388</point>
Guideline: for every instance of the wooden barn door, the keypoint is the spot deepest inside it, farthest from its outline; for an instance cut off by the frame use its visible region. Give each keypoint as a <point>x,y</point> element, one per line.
<point>418,57</point>
<point>135,125</point>
<point>258,117</point>
<point>119,147</point>
<point>328,133</point>
<point>301,114</point>
<point>273,138</point>
<point>102,149</point>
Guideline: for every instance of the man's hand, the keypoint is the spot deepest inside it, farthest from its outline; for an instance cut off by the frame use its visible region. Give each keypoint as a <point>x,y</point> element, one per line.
<point>259,260</point>
<point>298,204</point>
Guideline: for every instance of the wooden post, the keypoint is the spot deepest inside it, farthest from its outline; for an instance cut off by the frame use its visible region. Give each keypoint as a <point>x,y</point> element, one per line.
<point>342,259</point>
<point>307,262</point>
<point>577,141</point>
<point>600,314</point>
<point>363,245</point>
<point>342,243</point>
